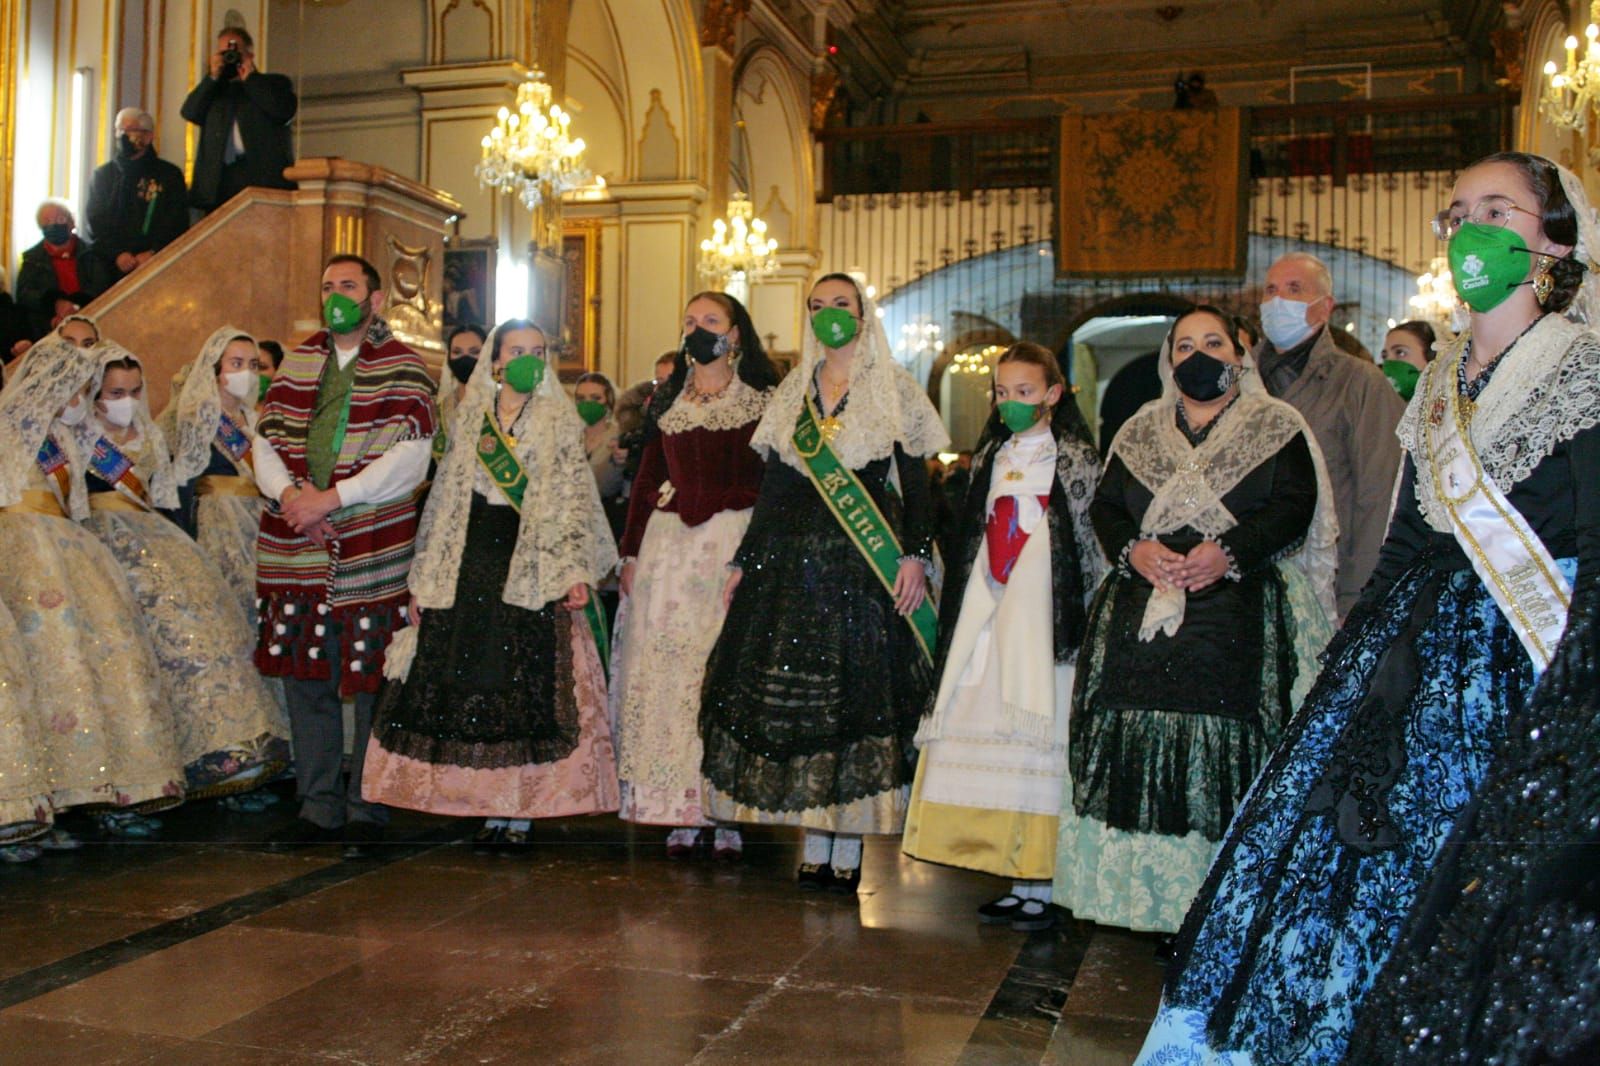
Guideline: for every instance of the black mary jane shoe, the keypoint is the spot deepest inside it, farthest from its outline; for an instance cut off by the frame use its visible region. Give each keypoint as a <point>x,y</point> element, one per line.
<point>1033,919</point>
<point>846,883</point>
<point>814,876</point>
<point>1000,911</point>
<point>515,841</point>
<point>489,838</point>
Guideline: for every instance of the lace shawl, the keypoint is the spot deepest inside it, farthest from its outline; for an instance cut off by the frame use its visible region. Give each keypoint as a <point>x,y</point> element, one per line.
<point>1189,481</point>
<point>563,538</point>
<point>737,405</point>
<point>153,463</point>
<point>887,406</point>
<point>1545,392</point>
<point>191,417</point>
<point>51,373</point>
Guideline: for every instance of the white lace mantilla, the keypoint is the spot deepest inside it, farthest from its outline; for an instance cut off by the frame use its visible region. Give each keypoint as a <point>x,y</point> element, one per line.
<point>47,377</point>
<point>1546,391</point>
<point>563,538</point>
<point>886,406</point>
<point>735,406</point>
<point>148,450</point>
<point>191,418</point>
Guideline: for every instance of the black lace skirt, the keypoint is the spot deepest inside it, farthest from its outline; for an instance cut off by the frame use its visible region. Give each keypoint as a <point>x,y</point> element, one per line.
<point>814,689</point>
<point>491,685</point>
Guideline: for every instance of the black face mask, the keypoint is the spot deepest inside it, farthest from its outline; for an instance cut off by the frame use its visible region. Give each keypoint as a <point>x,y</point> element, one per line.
<point>125,146</point>
<point>461,367</point>
<point>704,346</point>
<point>1203,378</point>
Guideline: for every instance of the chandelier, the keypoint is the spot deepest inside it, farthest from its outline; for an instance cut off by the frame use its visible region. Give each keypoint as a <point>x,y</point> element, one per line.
<point>1435,300</point>
<point>528,153</point>
<point>918,339</point>
<point>738,248</point>
<point>974,362</point>
<point>1573,92</point>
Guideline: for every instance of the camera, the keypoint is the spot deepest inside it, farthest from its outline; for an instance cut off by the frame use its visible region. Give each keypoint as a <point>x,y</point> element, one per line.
<point>231,58</point>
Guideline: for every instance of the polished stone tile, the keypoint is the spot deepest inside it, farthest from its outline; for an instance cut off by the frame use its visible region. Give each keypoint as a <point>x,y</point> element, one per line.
<point>816,1026</point>
<point>42,1042</point>
<point>198,985</point>
<point>194,880</point>
<point>609,1014</point>
<point>406,1002</point>
<point>1085,1041</point>
<point>36,935</point>
<point>389,903</point>
<point>1118,978</point>
<point>962,962</point>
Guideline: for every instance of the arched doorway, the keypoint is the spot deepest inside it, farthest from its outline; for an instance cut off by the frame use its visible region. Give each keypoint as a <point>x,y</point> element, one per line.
<point>1109,356</point>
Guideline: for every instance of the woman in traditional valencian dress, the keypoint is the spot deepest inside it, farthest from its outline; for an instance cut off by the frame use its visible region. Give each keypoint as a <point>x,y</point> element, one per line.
<point>1217,509</point>
<point>1025,564</point>
<point>823,668</point>
<point>1497,505</point>
<point>698,480</point>
<point>231,732</point>
<point>501,711</point>
<point>209,424</point>
<point>108,735</point>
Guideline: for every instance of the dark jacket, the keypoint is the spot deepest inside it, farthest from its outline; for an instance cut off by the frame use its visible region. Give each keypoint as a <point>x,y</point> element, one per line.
<point>1352,411</point>
<point>264,105</point>
<point>136,205</point>
<point>36,279</point>
<point>1077,469</point>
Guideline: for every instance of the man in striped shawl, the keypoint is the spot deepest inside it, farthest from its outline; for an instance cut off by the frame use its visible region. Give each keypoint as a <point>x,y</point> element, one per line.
<point>340,448</point>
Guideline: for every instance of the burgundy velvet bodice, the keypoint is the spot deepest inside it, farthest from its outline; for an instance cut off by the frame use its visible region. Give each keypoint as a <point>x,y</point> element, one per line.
<point>711,470</point>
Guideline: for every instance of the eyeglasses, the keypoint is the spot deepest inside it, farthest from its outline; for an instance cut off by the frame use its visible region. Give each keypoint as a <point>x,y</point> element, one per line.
<point>1493,211</point>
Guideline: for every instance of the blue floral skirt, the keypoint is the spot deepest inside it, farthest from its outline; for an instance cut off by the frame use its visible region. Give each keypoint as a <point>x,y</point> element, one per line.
<point>1320,867</point>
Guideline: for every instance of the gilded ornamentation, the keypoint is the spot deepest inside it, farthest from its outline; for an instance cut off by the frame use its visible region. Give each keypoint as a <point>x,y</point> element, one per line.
<point>719,24</point>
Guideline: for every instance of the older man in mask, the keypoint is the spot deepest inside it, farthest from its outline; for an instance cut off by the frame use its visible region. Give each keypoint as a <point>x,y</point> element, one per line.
<point>138,203</point>
<point>1350,406</point>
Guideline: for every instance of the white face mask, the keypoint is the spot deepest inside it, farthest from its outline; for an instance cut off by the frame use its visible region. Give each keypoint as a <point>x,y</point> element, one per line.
<point>242,383</point>
<point>74,412</point>
<point>119,412</point>
<point>1284,322</point>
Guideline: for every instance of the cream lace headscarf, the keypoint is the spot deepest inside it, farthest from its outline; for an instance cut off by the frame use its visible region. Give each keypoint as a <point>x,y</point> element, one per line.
<point>154,464</point>
<point>1546,392</point>
<point>886,406</point>
<point>193,414</point>
<point>563,538</point>
<point>1189,481</point>
<point>53,371</point>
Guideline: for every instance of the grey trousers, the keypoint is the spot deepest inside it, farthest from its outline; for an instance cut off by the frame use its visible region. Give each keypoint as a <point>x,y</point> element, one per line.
<point>316,716</point>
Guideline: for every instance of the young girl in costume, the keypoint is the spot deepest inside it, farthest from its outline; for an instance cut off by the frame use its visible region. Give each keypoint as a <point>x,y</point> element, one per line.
<point>1024,566</point>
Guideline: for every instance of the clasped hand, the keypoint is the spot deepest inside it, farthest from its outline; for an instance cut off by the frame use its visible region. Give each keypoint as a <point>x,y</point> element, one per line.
<point>1204,565</point>
<point>307,510</point>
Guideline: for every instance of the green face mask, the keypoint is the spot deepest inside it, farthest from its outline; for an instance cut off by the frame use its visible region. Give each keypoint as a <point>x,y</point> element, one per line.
<point>266,383</point>
<point>1018,416</point>
<point>834,326</point>
<point>591,411</point>
<point>524,373</point>
<point>340,313</point>
<point>1402,375</point>
<point>1487,263</point>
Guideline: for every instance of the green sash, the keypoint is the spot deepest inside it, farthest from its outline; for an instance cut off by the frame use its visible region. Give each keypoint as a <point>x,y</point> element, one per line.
<point>495,453</point>
<point>859,517</point>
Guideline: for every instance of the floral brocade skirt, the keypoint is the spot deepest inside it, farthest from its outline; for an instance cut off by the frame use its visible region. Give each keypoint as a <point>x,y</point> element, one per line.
<point>24,781</point>
<point>503,711</point>
<point>813,693</point>
<point>1320,867</point>
<point>665,631</point>
<point>106,720</point>
<point>232,734</point>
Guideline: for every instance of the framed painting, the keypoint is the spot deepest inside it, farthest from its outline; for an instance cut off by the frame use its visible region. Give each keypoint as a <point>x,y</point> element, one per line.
<point>580,310</point>
<point>469,283</point>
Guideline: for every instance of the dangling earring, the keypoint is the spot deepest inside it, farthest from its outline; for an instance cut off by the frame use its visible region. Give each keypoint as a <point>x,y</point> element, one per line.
<point>1543,282</point>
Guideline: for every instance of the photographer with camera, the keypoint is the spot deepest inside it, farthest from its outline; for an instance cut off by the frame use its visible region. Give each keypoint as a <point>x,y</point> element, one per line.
<point>243,115</point>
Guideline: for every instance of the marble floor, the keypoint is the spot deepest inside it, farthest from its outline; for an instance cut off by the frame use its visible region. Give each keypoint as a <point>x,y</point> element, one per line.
<point>206,947</point>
